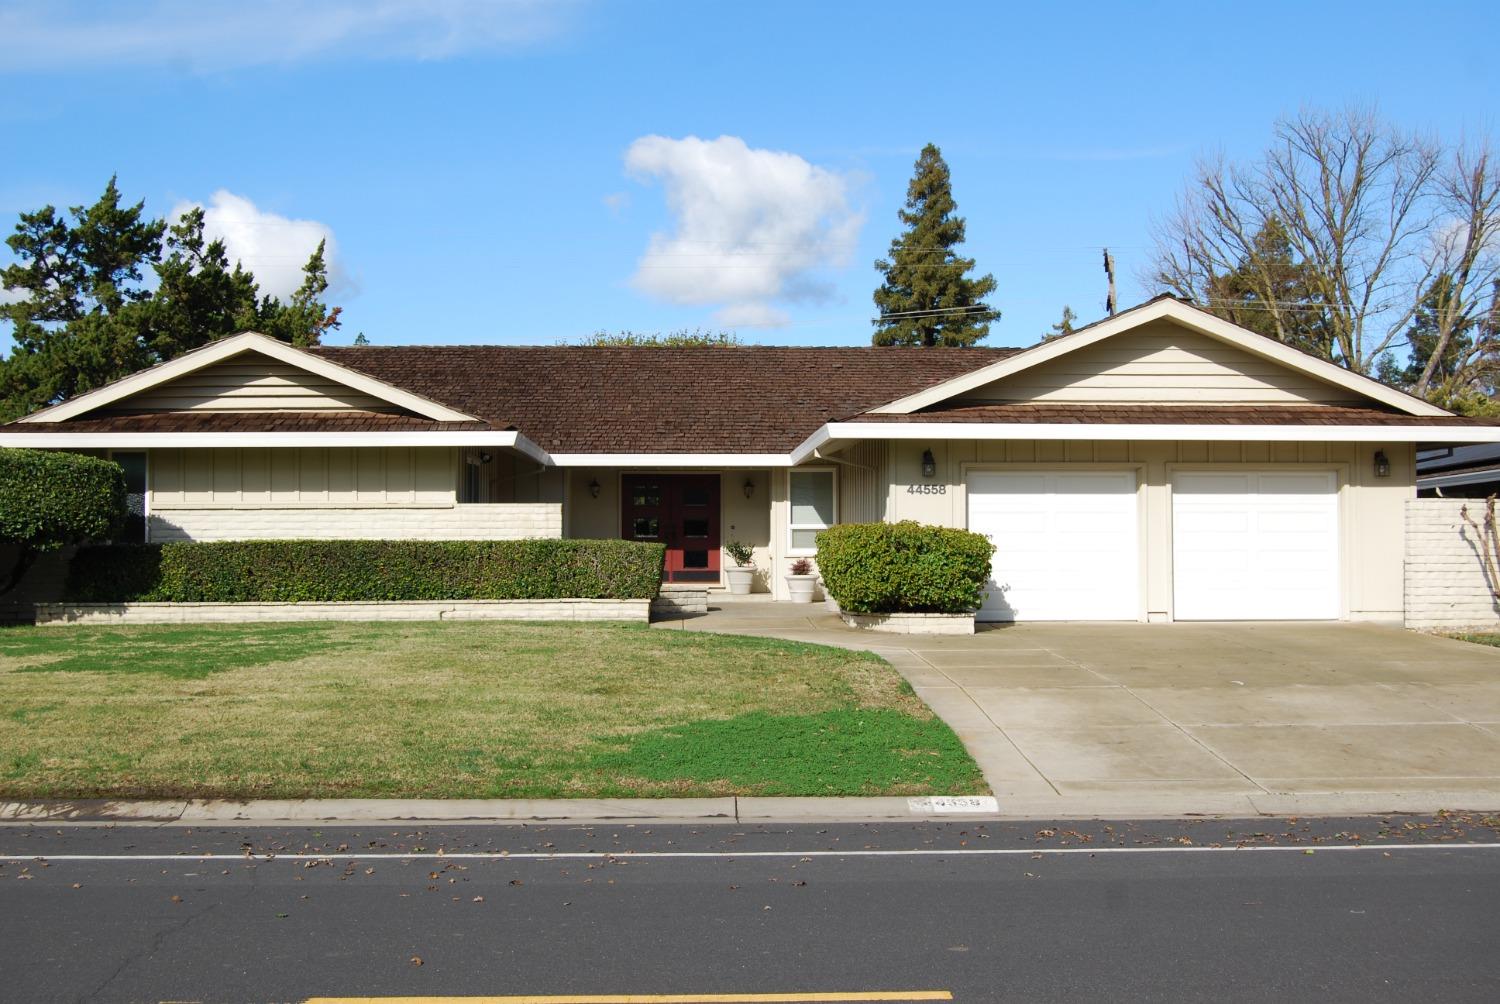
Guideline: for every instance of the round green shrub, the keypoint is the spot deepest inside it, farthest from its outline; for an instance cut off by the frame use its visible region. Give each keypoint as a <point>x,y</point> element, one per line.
<point>49,499</point>
<point>904,567</point>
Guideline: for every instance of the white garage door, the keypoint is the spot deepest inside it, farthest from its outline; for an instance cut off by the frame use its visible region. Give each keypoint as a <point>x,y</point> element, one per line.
<point>1065,544</point>
<point>1255,546</point>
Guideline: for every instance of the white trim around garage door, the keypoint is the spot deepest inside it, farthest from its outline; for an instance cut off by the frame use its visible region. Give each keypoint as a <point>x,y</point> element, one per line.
<point>1136,469</point>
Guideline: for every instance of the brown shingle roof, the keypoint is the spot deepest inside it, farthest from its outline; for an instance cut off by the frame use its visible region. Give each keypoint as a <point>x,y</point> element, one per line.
<point>582,399</point>
<point>1133,414</point>
<point>274,421</point>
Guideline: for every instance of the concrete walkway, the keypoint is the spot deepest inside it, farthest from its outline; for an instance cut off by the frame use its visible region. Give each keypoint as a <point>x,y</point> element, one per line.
<point>1134,720</point>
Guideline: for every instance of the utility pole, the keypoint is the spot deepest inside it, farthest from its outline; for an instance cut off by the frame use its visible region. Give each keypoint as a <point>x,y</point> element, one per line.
<point>1109,270</point>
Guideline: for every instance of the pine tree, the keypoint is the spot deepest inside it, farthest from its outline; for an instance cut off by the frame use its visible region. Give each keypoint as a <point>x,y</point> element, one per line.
<point>1062,327</point>
<point>81,313</point>
<point>927,297</point>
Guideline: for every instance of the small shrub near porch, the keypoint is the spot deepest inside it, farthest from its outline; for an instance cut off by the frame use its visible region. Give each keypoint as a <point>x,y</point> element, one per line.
<point>906,567</point>
<point>304,571</point>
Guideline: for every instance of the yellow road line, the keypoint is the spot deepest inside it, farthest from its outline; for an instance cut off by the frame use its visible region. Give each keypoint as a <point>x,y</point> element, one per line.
<point>807,998</point>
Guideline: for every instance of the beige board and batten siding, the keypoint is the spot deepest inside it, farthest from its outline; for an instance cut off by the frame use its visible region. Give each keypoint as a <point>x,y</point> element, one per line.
<point>370,493</point>
<point>1162,363</point>
<point>1371,509</point>
<point>251,382</point>
<point>1447,582</point>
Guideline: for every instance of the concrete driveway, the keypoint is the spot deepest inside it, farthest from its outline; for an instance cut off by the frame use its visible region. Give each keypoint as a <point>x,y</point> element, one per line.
<point>1166,719</point>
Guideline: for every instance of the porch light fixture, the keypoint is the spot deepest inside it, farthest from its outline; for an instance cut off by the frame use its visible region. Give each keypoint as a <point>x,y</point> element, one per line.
<point>749,488</point>
<point>929,465</point>
<point>1382,464</point>
<point>594,487</point>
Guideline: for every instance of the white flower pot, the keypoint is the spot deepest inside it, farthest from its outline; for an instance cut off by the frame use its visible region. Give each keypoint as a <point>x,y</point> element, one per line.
<point>800,588</point>
<point>740,579</point>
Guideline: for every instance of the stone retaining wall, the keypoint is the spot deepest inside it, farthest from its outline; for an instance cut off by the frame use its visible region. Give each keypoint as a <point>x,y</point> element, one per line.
<point>911,623</point>
<point>410,610</point>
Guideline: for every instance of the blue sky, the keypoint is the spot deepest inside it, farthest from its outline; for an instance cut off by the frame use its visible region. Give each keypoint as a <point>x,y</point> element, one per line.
<point>502,171</point>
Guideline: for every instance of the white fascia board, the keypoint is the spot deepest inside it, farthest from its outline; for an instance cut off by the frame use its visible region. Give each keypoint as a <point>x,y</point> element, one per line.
<point>268,440</point>
<point>1191,317</point>
<point>734,460</point>
<point>227,348</point>
<point>1218,433</point>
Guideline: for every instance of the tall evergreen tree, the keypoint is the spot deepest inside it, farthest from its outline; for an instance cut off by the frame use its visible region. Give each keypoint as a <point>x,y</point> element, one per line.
<point>81,313</point>
<point>928,298</point>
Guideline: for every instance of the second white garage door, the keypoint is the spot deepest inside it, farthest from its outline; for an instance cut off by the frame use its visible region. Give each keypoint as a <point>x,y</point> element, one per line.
<point>1259,545</point>
<point>1065,544</point>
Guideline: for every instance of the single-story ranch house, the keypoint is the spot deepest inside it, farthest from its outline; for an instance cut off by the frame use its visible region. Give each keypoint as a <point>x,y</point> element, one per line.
<point>1159,465</point>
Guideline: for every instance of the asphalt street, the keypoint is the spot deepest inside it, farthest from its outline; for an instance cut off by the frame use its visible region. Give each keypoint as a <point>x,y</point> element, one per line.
<point>1350,909</point>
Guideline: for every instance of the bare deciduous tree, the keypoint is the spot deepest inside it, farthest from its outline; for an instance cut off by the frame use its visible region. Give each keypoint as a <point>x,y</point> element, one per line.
<point>1335,239</point>
<point>1467,251</point>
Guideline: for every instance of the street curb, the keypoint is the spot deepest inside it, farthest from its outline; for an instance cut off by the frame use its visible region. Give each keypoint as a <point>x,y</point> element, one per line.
<point>729,809</point>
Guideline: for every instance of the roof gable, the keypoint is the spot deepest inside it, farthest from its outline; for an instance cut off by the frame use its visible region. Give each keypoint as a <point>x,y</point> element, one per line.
<point>248,372</point>
<point>1166,352</point>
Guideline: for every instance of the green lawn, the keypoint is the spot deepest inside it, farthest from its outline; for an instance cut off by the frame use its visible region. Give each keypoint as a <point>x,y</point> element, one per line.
<point>456,711</point>
<point>1478,638</point>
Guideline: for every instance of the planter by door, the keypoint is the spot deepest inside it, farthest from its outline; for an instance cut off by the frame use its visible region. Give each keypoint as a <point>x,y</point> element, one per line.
<point>799,588</point>
<point>680,511</point>
<point>739,578</point>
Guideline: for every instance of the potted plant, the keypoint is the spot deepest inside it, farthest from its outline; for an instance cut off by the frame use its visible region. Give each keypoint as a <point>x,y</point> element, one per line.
<point>800,581</point>
<point>741,576</point>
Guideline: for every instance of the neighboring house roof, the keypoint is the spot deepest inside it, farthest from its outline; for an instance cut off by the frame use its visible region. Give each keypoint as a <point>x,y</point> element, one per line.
<point>588,400</point>
<point>1458,466</point>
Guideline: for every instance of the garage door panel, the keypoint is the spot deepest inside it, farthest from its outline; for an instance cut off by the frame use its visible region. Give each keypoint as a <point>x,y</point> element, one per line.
<point>1266,550</point>
<point>1212,484</point>
<point>1065,544</point>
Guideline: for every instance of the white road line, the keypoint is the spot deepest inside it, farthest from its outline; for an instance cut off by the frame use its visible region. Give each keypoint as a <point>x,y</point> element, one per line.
<point>733,855</point>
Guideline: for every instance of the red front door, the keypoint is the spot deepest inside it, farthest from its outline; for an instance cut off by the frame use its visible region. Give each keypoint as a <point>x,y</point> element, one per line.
<point>680,511</point>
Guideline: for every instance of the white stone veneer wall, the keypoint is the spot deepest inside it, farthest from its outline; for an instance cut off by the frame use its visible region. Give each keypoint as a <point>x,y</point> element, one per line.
<point>489,521</point>
<point>1446,583</point>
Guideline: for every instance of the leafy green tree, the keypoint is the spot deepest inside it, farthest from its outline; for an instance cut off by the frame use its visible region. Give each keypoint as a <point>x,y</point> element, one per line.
<point>82,314</point>
<point>928,297</point>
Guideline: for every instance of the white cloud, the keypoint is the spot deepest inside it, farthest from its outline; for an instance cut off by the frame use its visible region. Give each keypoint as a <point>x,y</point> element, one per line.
<point>273,247</point>
<point>207,35</point>
<point>750,227</point>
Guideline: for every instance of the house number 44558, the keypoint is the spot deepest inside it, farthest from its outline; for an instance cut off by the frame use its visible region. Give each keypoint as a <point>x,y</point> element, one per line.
<point>927,489</point>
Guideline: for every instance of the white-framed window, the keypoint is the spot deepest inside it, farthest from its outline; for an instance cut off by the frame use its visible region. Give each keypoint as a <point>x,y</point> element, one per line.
<point>813,496</point>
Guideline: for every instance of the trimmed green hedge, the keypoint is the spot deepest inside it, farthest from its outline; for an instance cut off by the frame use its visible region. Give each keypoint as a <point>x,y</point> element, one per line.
<point>297,571</point>
<point>49,498</point>
<point>873,568</point>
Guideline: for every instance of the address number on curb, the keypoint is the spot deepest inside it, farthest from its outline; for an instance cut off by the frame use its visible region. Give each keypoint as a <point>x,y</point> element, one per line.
<point>927,489</point>
<point>942,804</point>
